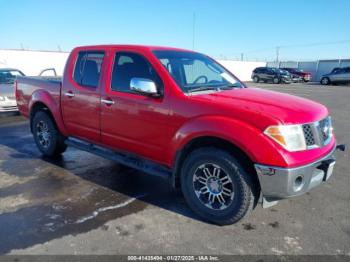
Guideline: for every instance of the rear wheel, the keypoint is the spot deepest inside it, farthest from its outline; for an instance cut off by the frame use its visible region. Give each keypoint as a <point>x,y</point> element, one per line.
<point>48,139</point>
<point>216,186</point>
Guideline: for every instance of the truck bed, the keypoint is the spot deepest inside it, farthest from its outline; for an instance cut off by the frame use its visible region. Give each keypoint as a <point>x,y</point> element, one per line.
<point>27,87</point>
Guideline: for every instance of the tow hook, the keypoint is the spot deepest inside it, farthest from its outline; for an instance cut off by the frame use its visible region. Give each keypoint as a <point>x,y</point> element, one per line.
<point>342,147</point>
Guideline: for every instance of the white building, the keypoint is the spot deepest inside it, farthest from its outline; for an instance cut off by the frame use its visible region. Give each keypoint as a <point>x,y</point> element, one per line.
<point>32,63</point>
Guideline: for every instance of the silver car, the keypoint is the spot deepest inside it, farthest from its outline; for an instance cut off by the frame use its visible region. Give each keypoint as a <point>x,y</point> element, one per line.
<point>7,90</point>
<point>338,76</point>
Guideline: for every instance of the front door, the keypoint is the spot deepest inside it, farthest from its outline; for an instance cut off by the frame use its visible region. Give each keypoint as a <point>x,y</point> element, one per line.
<point>81,96</point>
<point>131,121</point>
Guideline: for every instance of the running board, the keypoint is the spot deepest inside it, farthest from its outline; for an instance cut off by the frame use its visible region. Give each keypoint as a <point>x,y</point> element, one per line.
<point>126,159</point>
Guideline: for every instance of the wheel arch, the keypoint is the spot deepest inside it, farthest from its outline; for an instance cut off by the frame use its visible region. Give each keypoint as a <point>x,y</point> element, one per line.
<point>217,142</point>
<point>42,102</point>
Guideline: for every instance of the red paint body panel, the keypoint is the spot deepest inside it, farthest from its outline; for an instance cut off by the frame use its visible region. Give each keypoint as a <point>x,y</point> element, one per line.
<point>81,113</point>
<point>156,128</point>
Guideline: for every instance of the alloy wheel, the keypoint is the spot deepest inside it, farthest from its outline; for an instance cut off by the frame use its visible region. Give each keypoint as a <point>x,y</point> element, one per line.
<point>43,134</point>
<point>213,186</point>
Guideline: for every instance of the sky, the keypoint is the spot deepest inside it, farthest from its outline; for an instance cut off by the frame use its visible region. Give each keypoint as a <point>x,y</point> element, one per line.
<point>225,29</point>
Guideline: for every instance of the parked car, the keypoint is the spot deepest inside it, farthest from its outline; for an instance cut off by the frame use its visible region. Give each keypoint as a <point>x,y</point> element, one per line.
<point>339,76</point>
<point>335,69</point>
<point>271,74</point>
<point>294,77</point>
<point>181,115</point>
<point>7,90</point>
<point>305,76</point>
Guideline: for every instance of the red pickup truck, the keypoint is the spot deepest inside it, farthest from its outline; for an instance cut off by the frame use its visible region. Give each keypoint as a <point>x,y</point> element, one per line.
<point>181,115</point>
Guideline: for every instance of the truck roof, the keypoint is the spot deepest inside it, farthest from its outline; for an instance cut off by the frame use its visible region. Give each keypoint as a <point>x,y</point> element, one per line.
<point>135,47</point>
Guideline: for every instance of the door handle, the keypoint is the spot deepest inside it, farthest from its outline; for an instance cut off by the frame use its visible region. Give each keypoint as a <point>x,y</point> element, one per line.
<point>69,94</point>
<point>107,101</point>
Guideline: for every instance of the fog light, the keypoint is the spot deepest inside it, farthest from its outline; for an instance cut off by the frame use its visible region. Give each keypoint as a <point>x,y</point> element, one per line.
<point>298,183</point>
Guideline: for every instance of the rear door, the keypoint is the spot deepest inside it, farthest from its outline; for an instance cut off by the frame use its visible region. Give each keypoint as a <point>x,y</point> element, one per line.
<point>81,94</point>
<point>262,73</point>
<point>339,76</point>
<point>268,74</point>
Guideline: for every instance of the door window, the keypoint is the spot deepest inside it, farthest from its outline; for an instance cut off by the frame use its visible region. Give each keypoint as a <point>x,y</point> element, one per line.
<point>88,68</point>
<point>128,65</point>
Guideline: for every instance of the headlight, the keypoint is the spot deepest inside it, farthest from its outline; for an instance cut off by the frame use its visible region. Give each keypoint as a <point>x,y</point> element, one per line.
<point>2,98</point>
<point>291,137</point>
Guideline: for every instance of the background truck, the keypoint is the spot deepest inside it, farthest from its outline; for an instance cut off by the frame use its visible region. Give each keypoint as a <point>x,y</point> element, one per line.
<point>180,115</point>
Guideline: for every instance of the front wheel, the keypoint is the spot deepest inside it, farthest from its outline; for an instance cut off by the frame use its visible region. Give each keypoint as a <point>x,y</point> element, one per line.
<point>216,186</point>
<point>325,81</point>
<point>276,80</point>
<point>47,137</point>
<point>256,79</point>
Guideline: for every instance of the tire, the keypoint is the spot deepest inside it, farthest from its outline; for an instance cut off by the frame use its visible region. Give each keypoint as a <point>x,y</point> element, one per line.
<point>325,81</point>
<point>48,139</point>
<point>256,79</point>
<point>276,80</point>
<point>232,176</point>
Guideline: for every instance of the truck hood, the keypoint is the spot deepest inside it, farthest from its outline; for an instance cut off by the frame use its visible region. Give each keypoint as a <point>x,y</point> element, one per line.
<point>262,107</point>
<point>7,90</point>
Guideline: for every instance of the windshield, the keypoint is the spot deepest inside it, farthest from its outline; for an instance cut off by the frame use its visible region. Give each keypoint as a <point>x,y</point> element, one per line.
<point>9,76</point>
<point>282,72</point>
<point>196,72</point>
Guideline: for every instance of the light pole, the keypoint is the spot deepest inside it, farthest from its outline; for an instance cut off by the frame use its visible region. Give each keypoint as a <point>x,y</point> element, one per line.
<point>277,53</point>
<point>193,29</point>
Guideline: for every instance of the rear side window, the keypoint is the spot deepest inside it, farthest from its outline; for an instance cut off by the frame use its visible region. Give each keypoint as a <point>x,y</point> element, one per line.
<point>87,68</point>
<point>128,65</point>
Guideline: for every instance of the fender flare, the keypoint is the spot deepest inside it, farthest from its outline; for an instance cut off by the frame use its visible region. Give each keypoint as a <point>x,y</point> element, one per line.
<point>44,97</point>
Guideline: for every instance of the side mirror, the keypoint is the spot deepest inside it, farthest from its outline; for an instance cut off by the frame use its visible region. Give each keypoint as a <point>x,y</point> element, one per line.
<point>144,86</point>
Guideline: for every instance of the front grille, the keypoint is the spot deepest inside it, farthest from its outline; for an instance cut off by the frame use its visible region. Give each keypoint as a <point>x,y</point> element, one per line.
<point>318,134</point>
<point>309,137</point>
<point>8,108</point>
<point>11,98</point>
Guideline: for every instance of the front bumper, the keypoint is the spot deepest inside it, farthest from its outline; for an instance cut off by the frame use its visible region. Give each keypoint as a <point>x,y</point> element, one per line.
<point>278,183</point>
<point>286,80</point>
<point>8,105</point>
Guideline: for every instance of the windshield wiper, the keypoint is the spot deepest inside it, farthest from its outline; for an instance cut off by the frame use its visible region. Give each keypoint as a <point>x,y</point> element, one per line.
<point>217,88</point>
<point>227,87</point>
<point>203,88</point>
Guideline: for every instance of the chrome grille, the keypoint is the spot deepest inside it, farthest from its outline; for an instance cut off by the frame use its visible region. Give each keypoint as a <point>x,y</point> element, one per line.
<point>309,137</point>
<point>11,98</point>
<point>8,108</point>
<point>318,134</point>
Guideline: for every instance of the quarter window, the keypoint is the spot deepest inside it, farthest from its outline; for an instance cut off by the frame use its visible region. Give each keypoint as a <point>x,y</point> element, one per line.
<point>88,68</point>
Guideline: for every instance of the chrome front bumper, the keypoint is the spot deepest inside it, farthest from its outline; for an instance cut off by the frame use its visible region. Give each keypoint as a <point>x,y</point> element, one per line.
<point>278,183</point>
<point>8,105</point>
